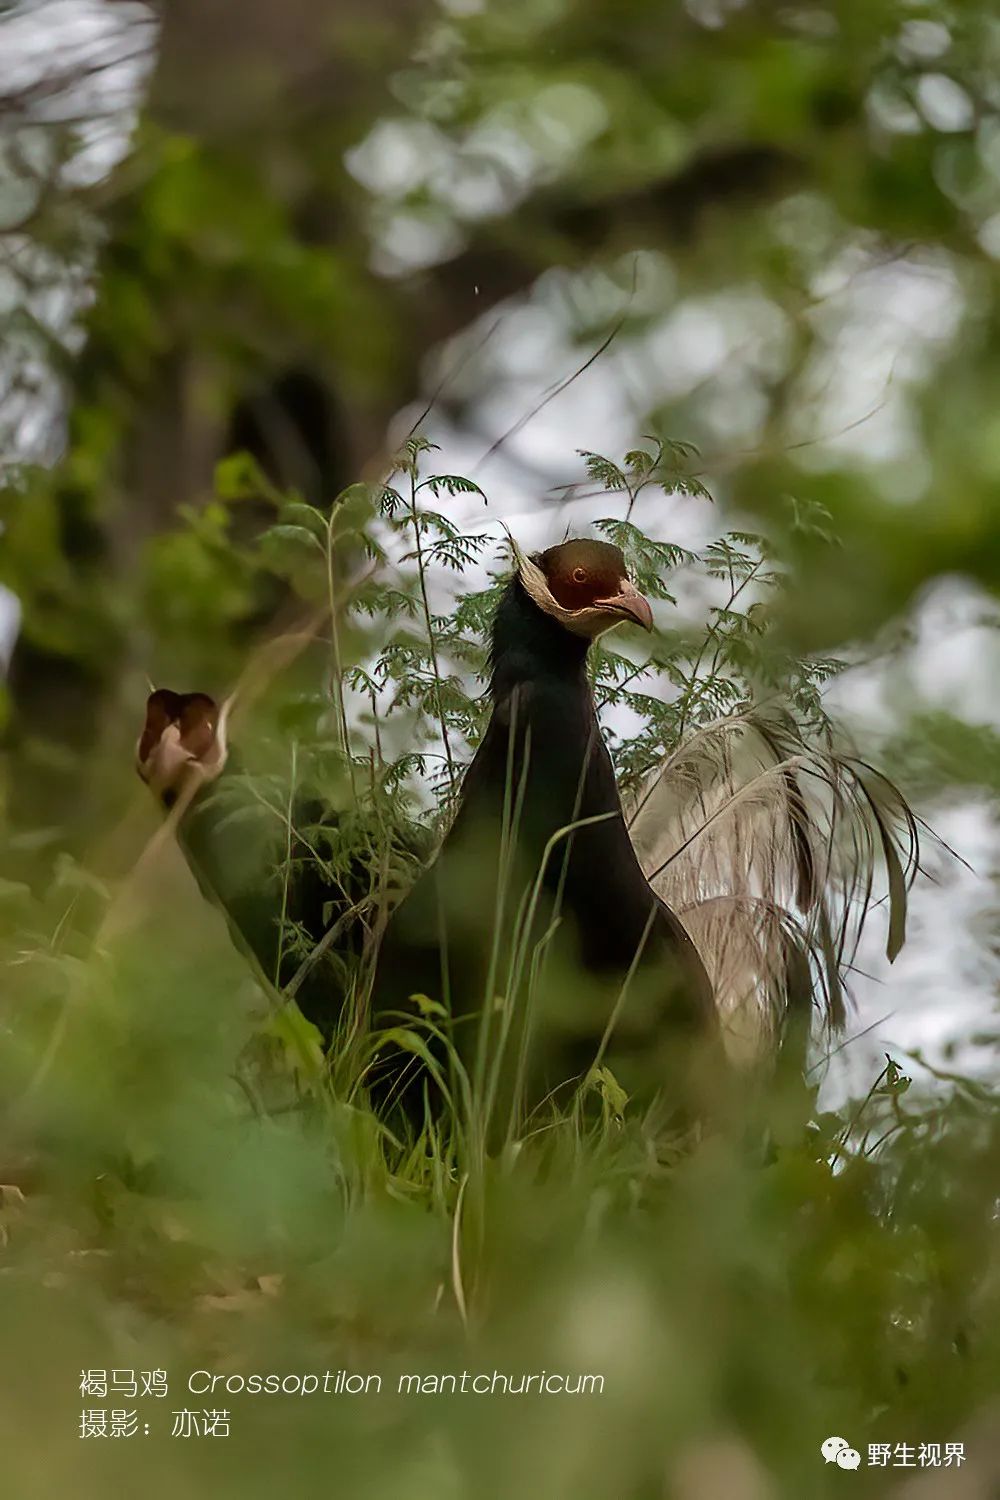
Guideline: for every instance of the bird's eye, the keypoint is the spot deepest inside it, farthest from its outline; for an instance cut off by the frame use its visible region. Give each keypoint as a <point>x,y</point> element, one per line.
<point>579,575</point>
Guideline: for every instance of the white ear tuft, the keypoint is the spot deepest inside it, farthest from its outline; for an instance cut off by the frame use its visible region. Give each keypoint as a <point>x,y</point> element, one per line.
<point>535,585</point>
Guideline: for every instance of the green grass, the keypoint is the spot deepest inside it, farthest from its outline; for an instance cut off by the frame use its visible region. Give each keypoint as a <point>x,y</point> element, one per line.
<point>198,1197</point>
<point>195,1188</point>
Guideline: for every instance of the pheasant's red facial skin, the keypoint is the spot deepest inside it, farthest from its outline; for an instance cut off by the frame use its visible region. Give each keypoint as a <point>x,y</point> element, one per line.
<point>579,573</point>
<point>588,581</point>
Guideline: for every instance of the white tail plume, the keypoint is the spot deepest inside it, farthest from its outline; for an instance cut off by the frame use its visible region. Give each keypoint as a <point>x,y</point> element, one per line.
<point>773,851</point>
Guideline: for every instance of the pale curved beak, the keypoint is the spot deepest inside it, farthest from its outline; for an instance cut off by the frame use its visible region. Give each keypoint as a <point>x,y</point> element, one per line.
<point>629,604</point>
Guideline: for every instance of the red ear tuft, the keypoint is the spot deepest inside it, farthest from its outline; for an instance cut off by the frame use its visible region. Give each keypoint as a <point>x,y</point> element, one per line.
<point>581,572</point>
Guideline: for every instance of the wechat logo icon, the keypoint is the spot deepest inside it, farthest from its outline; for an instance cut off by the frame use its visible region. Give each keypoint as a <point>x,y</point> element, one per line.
<point>837,1450</point>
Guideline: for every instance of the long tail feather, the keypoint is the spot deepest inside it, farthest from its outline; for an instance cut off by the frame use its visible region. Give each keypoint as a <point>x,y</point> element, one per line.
<point>774,851</point>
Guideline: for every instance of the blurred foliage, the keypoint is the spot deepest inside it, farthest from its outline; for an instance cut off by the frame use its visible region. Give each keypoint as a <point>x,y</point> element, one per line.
<point>233,246</point>
<point>739,1307</point>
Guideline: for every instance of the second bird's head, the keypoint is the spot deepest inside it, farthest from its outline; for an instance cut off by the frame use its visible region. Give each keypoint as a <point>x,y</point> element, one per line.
<point>584,585</point>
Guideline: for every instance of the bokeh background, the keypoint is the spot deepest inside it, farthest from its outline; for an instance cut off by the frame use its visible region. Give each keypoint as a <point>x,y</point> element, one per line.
<point>294,231</point>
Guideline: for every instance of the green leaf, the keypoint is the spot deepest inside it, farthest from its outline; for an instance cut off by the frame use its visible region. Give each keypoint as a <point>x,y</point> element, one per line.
<point>295,537</point>
<point>452,484</point>
<point>305,517</point>
<point>240,477</point>
<point>428,1007</point>
<point>640,462</point>
<point>603,471</point>
<point>603,1082</point>
<point>301,1041</point>
<point>353,510</point>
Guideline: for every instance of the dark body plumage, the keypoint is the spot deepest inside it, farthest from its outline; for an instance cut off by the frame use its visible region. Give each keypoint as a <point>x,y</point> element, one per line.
<point>541,767</point>
<point>533,933</point>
